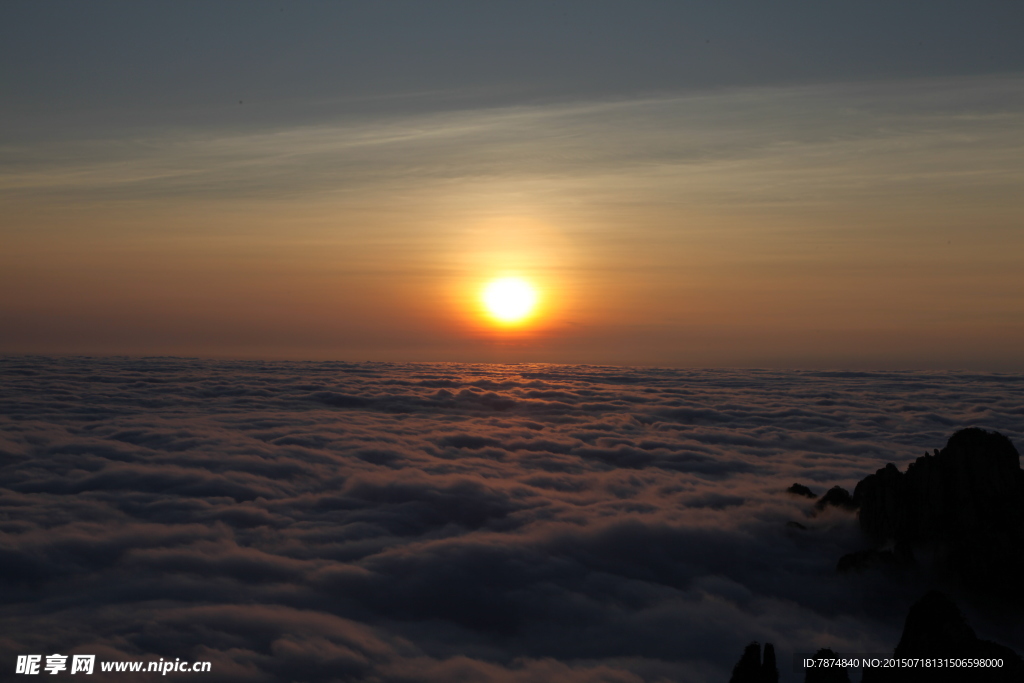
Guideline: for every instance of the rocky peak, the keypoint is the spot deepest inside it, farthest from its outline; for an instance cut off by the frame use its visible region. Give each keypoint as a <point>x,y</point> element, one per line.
<point>964,503</point>
<point>935,628</point>
<point>752,669</point>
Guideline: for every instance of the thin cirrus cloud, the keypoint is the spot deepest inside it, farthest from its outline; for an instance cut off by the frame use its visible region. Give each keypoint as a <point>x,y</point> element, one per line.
<point>834,223</point>
<point>403,522</point>
<point>827,141</point>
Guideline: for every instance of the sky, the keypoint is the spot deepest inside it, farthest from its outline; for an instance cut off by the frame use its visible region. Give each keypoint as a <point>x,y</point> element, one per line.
<point>688,184</point>
<point>431,523</point>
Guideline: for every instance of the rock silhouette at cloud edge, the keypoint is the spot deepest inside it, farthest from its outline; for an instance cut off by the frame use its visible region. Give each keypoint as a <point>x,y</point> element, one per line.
<point>752,669</point>
<point>801,490</point>
<point>838,497</point>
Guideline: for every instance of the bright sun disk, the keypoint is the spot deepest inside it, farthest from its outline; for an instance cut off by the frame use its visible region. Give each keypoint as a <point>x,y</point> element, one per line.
<point>509,300</point>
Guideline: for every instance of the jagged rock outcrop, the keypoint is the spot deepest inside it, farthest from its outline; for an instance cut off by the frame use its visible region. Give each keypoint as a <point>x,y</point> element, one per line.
<point>935,628</point>
<point>963,506</point>
<point>838,497</point>
<point>752,669</point>
<point>801,490</point>
<point>826,675</point>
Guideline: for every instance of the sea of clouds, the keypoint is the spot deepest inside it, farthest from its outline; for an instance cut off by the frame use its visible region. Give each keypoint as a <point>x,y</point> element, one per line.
<point>442,522</point>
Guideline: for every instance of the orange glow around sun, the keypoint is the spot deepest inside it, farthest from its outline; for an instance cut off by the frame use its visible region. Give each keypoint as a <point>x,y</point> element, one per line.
<point>509,301</point>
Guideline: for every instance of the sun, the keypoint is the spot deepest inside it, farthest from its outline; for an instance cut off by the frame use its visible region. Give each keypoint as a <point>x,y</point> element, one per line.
<point>509,300</point>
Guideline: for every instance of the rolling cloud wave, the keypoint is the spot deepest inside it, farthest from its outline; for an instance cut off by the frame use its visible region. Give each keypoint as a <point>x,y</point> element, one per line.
<point>393,523</point>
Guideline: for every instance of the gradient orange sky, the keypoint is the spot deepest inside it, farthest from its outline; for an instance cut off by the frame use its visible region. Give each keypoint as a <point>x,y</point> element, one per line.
<point>835,219</point>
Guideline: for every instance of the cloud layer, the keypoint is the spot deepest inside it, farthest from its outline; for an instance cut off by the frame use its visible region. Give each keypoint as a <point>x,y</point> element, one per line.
<point>444,522</point>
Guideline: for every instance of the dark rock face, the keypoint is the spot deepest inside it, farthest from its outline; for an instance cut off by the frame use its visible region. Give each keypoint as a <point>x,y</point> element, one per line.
<point>828,675</point>
<point>935,628</point>
<point>866,559</point>
<point>801,490</point>
<point>964,504</point>
<point>880,497</point>
<point>769,669</point>
<point>751,669</point>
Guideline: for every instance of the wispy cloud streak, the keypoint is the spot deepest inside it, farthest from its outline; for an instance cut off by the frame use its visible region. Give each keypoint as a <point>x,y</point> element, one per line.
<point>767,144</point>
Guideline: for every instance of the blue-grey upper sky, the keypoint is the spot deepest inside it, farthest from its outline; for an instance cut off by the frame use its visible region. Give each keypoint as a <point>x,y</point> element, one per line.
<point>186,63</point>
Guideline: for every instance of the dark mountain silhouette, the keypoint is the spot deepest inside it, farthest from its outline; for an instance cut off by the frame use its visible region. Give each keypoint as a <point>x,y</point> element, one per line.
<point>935,628</point>
<point>801,490</point>
<point>837,496</point>
<point>963,507</point>
<point>752,669</point>
<point>959,513</point>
